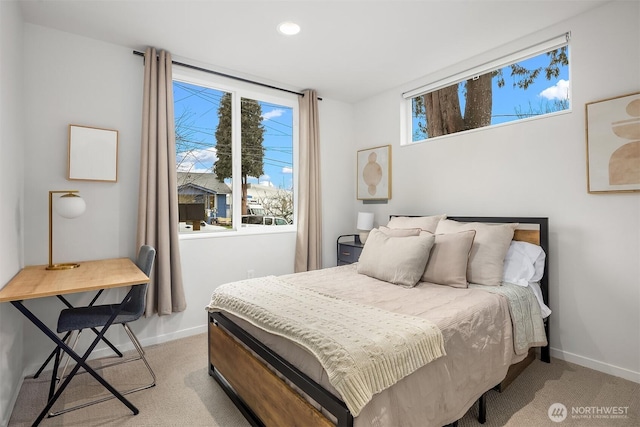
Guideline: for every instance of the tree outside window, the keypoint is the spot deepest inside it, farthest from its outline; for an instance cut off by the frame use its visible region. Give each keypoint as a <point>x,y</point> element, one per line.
<point>524,89</point>
<point>206,155</point>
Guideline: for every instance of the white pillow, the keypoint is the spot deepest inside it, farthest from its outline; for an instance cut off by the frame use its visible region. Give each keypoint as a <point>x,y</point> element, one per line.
<point>523,263</point>
<point>544,310</point>
<point>398,260</point>
<point>426,223</point>
<point>486,262</point>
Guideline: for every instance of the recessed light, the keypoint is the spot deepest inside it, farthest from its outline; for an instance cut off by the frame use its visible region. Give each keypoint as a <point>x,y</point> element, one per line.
<point>288,28</point>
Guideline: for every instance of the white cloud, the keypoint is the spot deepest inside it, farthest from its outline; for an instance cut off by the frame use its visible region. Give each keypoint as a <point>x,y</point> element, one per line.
<point>197,161</point>
<point>559,91</point>
<point>276,112</point>
<point>191,167</point>
<point>287,170</point>
<point>267,183</point>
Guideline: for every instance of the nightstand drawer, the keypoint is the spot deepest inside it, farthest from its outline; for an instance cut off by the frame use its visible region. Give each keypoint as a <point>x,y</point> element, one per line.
<point>349,250</point>
<point>348,254</point>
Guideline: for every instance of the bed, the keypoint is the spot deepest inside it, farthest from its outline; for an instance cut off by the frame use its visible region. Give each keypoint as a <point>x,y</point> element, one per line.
<point>276,381</point>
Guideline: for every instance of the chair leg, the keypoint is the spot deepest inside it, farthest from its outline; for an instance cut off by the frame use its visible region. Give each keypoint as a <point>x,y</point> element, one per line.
<point>55,378</point>
<point>54,373</point>
<point>73,347</point>
<point>53,352</point>
<point>46,362</point>
<point>140,351</point>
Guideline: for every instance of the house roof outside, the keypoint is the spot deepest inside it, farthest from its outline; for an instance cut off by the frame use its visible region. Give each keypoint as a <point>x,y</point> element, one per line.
<point>202,182</point>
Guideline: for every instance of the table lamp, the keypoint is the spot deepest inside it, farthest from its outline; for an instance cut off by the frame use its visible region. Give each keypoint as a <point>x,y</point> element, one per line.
<point>69,205</point>
<point>364,224</point>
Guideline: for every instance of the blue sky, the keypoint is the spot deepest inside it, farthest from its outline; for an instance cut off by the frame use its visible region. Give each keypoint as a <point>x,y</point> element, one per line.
<point>507,98</point>
<point>200,106</point>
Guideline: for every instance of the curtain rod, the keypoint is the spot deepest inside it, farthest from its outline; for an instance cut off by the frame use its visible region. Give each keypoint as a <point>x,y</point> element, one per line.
<point>194,67</point>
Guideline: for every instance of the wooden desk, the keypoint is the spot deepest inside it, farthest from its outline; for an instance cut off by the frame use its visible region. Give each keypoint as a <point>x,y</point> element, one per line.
<point>38,282</point>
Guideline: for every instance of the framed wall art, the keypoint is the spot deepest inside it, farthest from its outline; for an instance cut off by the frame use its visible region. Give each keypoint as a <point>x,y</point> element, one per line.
<point>374,173</point>
<point>93,154</point>
<point>613,144</point>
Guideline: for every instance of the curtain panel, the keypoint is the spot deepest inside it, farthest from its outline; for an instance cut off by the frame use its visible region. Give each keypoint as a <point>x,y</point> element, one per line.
<point>158,194</point>
<point>309,232</point>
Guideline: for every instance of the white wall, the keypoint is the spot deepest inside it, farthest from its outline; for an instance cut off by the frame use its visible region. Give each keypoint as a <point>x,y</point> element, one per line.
<point>72,79</point>
<point>538,168</point>
<point>11,194</point>
<point>594,238</point>
<point>338,158</point>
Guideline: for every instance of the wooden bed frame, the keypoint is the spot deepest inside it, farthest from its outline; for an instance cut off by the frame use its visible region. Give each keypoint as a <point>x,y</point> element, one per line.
<point>266,400</point>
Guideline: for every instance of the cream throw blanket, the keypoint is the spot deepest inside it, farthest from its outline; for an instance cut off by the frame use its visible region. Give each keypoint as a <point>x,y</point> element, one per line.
<point>526,317</point>
<point>363,349</point>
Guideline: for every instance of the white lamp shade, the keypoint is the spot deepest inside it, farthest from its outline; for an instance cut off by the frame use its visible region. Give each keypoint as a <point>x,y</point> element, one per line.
<point>365,221</point>
<point>70,205</point>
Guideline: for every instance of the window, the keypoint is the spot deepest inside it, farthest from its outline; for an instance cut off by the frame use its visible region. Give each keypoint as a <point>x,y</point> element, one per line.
<point>527,84</point>
<point>234,153</point>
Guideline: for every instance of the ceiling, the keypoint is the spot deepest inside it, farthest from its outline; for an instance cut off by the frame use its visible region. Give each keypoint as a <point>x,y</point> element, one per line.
<point>347,50</point>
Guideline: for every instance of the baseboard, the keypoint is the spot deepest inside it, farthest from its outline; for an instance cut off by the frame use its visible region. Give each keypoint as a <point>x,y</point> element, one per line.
<point>6,415</point>
<point>183,333</point>
<point>617,371</point>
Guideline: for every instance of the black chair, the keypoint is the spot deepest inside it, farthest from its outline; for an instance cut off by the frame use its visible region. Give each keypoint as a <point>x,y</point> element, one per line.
<point>79,318</point>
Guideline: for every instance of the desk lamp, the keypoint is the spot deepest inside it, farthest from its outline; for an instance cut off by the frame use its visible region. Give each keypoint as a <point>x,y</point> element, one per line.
<point>364,224</point>
<point>69,205</point>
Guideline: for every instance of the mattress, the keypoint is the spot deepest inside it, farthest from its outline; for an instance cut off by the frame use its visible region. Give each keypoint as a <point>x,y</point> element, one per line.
<point>478,340</point>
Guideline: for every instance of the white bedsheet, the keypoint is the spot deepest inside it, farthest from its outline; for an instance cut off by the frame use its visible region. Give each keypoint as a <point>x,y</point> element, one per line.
<point>478,339</point>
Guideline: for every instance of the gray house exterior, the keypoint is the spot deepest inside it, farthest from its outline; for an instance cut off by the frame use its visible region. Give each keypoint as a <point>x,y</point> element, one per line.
<point>204,188</point>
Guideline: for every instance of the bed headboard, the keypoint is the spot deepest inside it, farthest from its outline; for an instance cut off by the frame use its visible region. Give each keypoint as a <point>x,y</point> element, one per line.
<point>533,230</point>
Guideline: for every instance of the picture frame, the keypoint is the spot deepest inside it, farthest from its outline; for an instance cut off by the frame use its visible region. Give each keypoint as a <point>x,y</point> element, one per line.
<point>613,144</point>
<point>374,173</point>
<point>93,154</point>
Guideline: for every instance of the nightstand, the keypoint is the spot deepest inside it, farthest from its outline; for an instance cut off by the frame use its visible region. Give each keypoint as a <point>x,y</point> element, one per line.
<point>349,248</point>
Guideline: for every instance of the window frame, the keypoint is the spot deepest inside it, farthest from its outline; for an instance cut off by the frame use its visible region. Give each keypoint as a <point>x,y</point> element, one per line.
<point>239,90</point>
<point>516,55</point>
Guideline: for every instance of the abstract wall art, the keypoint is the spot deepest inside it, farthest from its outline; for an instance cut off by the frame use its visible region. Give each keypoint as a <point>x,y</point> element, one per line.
<point>374,173</point>
<point>613,144</point>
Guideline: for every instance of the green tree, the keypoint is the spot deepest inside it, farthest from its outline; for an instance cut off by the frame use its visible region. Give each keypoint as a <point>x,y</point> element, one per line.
<point>252,136</point>
<point>441,108</point>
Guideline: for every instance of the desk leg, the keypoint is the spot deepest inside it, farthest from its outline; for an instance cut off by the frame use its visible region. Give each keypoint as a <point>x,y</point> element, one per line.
<point>80,361</point>
<point>53,353</point>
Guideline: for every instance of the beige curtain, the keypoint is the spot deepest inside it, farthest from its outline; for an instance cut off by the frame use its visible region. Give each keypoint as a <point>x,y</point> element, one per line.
<point>309,236</point>
<point>158,198</point>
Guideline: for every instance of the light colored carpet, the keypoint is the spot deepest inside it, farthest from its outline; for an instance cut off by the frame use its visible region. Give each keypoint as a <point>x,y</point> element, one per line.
<point>185,395</point>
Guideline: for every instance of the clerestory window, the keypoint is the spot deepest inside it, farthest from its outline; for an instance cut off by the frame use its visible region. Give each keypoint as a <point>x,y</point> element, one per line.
<point>527,84</point>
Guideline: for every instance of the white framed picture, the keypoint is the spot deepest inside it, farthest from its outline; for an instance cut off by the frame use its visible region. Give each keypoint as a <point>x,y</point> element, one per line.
<point>93,154</point>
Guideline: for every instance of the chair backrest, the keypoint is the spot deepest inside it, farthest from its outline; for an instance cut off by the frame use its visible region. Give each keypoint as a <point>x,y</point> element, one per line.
<point>145,260</point>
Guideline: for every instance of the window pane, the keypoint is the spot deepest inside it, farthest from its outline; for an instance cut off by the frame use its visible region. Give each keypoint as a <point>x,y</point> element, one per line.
<point>528,88</point>
<point>203,157</point>
<point>267,162</point>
